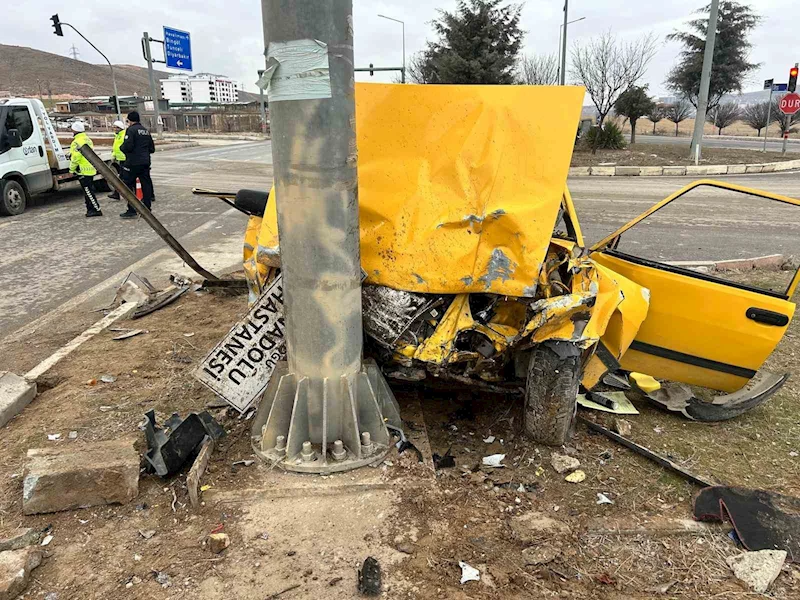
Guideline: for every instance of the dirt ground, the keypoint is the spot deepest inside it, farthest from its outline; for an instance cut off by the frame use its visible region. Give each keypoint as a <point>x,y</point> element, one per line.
<point>666,154</point>
<point>304,536</point>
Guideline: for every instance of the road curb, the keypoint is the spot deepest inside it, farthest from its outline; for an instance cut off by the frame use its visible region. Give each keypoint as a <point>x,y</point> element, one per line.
<point>176,146</point>
<point>680,171</point>
<point>15,394</point>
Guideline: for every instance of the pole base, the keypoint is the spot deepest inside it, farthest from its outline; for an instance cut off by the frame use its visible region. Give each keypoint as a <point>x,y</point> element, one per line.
<point>328,425</point>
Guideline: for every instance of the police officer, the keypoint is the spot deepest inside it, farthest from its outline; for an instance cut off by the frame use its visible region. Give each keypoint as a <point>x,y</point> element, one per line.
<point>117,154</point>
<point>81,167</point>
<point>137,146</point>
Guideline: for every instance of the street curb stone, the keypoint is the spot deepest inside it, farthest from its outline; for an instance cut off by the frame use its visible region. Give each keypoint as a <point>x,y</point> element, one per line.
<point>15,394</point>
<point>674,171</point>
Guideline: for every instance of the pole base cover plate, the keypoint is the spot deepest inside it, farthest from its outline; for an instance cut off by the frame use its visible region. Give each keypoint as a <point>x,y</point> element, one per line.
<point>351,409</point>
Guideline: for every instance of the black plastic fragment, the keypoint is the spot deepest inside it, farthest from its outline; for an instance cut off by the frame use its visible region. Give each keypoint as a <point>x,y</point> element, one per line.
<point>369,577</point>
<point>762,520</point>
<point>448,461</point>
<point>170,447</point>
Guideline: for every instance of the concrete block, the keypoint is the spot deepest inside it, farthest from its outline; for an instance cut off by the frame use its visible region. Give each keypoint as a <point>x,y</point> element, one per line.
<point>753,168</point>
<point>786,165</point>
<point>737,169</point>
<point>15,571</point>
<point>604,171</point>
<point>772,261</point>
<point>15,394</point>
<point>768,167</point>
<point>706,169</point>
<point>78,476</point>
<point>674,171</point>
<point>579,171</point>
<point>651,171</point>
<point>627,171</point>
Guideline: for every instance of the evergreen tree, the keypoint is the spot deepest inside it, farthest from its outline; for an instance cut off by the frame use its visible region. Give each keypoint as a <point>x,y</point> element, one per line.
<point>731,49</point>
<point>478,43</point>
<point>633,104</point>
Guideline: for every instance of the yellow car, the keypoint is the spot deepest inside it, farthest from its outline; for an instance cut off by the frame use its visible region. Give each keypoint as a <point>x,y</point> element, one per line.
<point>476,269</point>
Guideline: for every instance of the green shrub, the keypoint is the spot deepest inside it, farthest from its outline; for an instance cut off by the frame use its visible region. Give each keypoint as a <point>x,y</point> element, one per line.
<point>608,138</point>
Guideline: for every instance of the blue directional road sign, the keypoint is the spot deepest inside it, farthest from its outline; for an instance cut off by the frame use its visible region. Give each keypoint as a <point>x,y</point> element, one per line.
<point>780,87</point>
<point>177,49</point>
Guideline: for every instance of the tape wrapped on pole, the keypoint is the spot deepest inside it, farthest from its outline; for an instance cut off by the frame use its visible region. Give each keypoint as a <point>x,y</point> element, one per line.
<point>296,70</point>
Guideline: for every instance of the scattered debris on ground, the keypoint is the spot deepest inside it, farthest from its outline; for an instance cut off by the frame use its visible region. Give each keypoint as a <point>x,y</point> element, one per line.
<point>369,577</point>
<point>78,476</point>
<point>15,570</point>
<point>758,569</point>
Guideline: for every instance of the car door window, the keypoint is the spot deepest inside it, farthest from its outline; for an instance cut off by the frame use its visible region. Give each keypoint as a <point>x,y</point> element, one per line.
<point>714,231</point>
<point>22,121</point>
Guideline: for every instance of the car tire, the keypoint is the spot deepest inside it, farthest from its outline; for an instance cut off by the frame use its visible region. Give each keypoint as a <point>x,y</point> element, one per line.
<point>13,198</point>
<point>551,392</point>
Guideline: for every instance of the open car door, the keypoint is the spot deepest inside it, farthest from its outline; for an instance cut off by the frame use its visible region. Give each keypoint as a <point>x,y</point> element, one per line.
<point>700,329</point>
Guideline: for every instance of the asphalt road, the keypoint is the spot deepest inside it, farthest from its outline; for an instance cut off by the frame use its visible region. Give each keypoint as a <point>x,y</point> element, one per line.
<point>52,253</point>
<point>720,142</point>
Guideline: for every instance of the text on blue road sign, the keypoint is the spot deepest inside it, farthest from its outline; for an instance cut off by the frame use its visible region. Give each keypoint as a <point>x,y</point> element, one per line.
<point>177,49</point>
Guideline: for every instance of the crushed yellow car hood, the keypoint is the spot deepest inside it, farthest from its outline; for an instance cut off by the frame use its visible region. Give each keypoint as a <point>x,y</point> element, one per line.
<point>459,186</point>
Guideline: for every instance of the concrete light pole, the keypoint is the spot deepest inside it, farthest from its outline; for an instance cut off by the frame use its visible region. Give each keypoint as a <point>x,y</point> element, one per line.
<point>323,410</point>
<point>705,80</point>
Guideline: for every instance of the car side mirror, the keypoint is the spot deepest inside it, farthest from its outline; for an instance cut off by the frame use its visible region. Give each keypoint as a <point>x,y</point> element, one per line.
<point>14,140</point>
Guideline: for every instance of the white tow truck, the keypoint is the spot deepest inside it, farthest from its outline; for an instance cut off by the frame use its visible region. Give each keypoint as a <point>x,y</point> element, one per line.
<point>32,159</point>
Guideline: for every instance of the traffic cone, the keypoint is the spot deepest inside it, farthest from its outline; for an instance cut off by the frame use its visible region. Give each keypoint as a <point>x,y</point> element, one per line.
<point>139,194</point>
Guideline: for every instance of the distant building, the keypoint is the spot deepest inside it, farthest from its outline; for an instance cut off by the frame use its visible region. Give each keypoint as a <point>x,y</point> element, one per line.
<point>203,88</point>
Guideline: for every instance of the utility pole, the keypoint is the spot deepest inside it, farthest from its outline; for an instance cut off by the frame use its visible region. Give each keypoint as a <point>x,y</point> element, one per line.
<point>705,79</point>
<point>149,58</point>
<point>563,73</point>
<point>73,52</point>
<point>327,409</point>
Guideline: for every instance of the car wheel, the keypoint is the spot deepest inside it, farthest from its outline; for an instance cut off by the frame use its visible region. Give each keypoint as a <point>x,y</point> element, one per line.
<point>551,392</point>
<point>13,198</point>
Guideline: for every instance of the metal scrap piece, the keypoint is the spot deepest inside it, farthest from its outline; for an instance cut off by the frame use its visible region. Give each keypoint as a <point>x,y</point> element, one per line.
<point>679,397</point>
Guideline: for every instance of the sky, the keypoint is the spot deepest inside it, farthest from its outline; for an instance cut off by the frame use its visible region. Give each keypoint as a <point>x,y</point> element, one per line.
<point>227,37</point>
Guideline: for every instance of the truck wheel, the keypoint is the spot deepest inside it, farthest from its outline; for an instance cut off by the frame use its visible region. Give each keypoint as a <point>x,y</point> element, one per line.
<point>101,185</point>
<point>551,392</point>
<point>13,198</point>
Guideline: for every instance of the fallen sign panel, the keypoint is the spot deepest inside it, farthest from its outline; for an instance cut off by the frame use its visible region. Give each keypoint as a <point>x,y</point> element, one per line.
<point>239,368</point>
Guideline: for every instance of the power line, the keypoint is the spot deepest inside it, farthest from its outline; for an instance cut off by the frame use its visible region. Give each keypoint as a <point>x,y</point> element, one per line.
<point>73,52</point>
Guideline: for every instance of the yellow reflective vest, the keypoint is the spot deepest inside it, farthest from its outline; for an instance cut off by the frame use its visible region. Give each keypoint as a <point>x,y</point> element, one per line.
<point>77,163</point>
<point>118,154</point>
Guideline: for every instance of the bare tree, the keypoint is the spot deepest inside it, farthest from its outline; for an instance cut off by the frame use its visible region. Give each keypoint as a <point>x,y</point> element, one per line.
<point>538,69</point>
<point>724,115</point>
<point>785,122</point>
<point>416,71</point>
<point>679,112</point>
<point>656,115</point>
<point>757,115</point>
<point>607,67</point>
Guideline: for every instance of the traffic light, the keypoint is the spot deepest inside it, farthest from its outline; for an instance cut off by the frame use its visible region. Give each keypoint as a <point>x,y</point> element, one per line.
<point>57,25</point>
<point>792,79</point>
<point>371,72</point>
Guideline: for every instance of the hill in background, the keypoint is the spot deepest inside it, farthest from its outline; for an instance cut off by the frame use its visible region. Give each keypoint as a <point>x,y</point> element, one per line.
<point>29,72</point>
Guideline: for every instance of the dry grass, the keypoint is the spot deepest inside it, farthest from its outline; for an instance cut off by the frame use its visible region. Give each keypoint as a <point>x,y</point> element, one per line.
<point>669,154</point>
